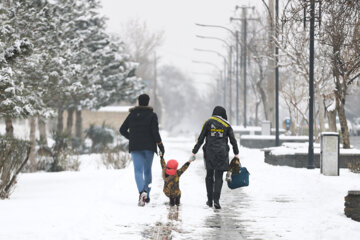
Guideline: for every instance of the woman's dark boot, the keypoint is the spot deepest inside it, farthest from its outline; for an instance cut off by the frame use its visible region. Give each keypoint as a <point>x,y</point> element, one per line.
<point>217,205</point>
<point>216,201</point>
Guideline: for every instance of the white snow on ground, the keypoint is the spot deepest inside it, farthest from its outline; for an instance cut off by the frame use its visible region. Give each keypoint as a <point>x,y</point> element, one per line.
<point>292,203</point>
<point>280,203</point>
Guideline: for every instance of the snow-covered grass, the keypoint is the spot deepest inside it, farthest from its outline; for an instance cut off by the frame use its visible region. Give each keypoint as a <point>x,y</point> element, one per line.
<point>94,203</point>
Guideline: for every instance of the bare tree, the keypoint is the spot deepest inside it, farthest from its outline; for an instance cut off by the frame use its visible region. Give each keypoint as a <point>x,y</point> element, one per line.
<point>258,51</point>
<point>340,33</point>
<point>141,43</point>
<point>294,58</point>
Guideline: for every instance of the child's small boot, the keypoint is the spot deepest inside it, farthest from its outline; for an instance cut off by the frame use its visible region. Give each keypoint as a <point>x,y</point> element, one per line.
<point>172,201</point>
<point>177,201</point>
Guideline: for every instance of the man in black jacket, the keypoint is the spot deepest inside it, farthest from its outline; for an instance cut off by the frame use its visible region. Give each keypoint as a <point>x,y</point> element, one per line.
<point>216,130</point>
<point>142,129</point>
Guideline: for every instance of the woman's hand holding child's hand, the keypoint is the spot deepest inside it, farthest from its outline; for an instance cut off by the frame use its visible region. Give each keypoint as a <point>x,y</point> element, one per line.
<point>192,158</point>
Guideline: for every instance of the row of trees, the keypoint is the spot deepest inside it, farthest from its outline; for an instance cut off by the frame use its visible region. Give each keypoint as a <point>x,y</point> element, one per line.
<point>337,61</point>
<point>56,56</point>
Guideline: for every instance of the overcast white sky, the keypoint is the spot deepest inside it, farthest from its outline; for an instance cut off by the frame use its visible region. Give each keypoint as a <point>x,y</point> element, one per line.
<point>177,18</point>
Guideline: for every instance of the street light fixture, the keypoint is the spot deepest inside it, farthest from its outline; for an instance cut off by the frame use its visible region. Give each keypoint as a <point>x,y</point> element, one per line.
<point>244,20</point>
<point>236,36</point>
<point>277,139</point>
<point>230,72</point>
<point>210,64</point>
<point>225,63</point>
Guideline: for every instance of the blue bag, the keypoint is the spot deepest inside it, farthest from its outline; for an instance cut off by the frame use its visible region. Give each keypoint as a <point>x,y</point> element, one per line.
<point>239,180</point>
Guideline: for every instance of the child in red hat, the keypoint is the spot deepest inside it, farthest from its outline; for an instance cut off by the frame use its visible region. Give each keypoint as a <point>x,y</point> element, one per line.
<point>171,178</point>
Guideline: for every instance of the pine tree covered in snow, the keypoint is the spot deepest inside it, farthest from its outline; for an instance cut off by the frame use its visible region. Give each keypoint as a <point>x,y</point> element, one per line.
<point>21,88</point>
<point>106,73</point>
<point>56,55</point>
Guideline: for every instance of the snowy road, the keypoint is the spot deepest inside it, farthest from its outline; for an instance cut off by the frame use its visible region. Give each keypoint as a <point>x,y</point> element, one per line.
<point>280,203</point>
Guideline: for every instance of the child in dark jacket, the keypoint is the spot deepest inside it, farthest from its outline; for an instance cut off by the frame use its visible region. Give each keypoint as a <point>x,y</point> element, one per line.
<point>171,178</point>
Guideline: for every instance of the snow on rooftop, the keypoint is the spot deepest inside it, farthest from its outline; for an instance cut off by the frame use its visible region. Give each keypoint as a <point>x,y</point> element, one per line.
<point>115,109</point>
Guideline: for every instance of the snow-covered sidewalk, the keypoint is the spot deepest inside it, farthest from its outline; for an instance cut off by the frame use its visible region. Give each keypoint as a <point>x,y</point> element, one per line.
<point>280,203</point>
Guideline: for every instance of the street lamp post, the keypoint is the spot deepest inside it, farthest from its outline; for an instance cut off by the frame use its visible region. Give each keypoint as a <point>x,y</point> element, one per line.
<point>210,64</point>
<point>236,36</point>
<point>311,87</point>
<point>244,20</point>
<point>230,71</point>
<point>277,139</point>
<point>225,64</point>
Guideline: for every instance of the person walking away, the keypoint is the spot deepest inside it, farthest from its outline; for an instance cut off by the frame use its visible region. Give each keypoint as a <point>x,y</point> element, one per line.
<point>217,131</point>
<point>141,128</point>
<point>171,176</point>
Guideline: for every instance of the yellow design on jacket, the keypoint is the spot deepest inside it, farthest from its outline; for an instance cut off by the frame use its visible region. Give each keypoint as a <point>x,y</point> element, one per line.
<point>220,121</point>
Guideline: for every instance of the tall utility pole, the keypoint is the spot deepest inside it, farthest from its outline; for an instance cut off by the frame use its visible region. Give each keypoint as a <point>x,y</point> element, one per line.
<point>230,83</point>
<point>277,139</point>
<point>155,82</point>
<point>237,78</point>
<point>236,36</point>
<point>244,20</point>
<point>311,87</point>
<point>227,86</point>
<point>273,65</point>
<point>271,76</point>
<point>244,60</point>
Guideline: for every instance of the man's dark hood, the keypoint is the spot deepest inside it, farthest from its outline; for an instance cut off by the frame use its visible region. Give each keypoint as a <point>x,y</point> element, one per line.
<point>220,111</point>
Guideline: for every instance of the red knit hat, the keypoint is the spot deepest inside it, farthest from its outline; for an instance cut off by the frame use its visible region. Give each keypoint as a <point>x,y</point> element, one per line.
<point>171,167</point>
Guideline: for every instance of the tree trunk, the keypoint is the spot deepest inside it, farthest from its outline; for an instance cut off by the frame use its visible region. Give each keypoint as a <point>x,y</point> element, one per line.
<point>270,82</point>
<point>78,125</point>
<point>340,106</point>
<point>321,108</point>
<point>332,121</point>
<point>32,121</point>
<point>256,113</point>
<point>60,124</point>
<point>70,120</point>
<point>9,127</point>
<point>42,131</point>
<point>259,86</point>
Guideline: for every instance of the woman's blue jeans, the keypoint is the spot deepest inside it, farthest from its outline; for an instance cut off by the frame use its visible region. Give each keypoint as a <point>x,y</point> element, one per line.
<point>142,166</point>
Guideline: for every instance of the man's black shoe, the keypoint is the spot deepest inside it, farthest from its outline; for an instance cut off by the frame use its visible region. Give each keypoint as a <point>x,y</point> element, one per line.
<point>147,200</point>
<point>209,203</point>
